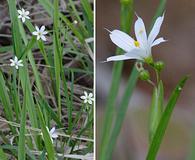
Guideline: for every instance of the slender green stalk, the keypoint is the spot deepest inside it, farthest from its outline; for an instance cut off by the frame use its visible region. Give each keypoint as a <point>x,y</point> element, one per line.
<point>21,145</point>
<point>57,55</point>
<point>156,109</point>
<point>126,21</point>
<point>121,113</point>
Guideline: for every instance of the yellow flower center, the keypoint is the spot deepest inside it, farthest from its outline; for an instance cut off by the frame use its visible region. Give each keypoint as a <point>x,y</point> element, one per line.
<point>137,44</point>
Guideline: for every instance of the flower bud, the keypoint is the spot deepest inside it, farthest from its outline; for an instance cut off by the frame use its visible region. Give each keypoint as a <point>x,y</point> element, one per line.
<point>144,75</point>
<point>149,60</point>
<point>159,66</point>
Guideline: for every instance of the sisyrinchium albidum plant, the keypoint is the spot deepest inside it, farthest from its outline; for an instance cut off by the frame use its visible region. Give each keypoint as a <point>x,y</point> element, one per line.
<point>47,64</point>
<point>139,49</point>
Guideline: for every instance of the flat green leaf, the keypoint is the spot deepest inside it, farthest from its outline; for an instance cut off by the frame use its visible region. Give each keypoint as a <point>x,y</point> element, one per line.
<point>158,136</point>
<point>46,136</point>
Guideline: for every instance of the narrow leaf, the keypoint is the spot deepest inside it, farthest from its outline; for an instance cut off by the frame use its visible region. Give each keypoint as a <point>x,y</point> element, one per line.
<point>158,136</point>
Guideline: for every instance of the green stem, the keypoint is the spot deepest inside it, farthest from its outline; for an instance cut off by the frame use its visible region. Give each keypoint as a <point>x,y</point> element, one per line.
<point>126,21</point>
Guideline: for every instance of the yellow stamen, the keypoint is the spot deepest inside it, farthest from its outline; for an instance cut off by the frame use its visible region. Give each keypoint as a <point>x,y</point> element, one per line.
<point>136,43</point>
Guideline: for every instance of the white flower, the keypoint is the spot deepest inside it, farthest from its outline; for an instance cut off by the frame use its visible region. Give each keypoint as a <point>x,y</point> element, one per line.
<point>16,63</point>
<point>52,133</point>
<point>40,33</point>
<point>23,15</point>
<point>88,98</point>
<point>140,48</point>
<point>75,22</point>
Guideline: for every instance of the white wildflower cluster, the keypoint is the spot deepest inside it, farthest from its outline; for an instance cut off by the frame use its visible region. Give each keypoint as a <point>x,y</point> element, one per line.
<point>39,33</point>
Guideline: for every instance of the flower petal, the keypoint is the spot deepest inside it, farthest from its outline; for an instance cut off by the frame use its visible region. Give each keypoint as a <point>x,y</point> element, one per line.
<point>27,17</point>
<point>38,37</point>
<point>20,61</point>
<point>27,13</point>
<point>85,93</point>
<point>19,11</point>
<point>52,130</point>
<point>20,64</point>
<point>42,28</point>
<point>137,53</point>
<point>11,60</point>
<point>83,97</point>
<point>23,19</point>
<point>122,40</point>
<point>43,38</point>
<point>140,32</point>
<point>119,58</point>
<point>37,28</point>
<point>90,101</point>
<point>158,41</point>
<point>35,33</point>
<point>12,64</point>
<point>54,135</point>
<point>156,29</point>
<point>45,32</point>
<point>15,59</point>
<point>90,95</point>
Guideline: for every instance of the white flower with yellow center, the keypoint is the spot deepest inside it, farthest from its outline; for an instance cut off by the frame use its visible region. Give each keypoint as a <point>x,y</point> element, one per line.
<point>140,48</point>
<point>40,33</point>
<point>23,15</point>
<point>16,63</point>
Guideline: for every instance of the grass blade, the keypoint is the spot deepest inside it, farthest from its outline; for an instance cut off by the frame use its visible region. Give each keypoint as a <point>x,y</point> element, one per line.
<point>126,21</point>
<point>88,10</point>
<point>21,145</point>
<point>4,96</point>
<point>46,136</point>
<point>121,112</point>
<point>158,136</point>
<point>57,54</point>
